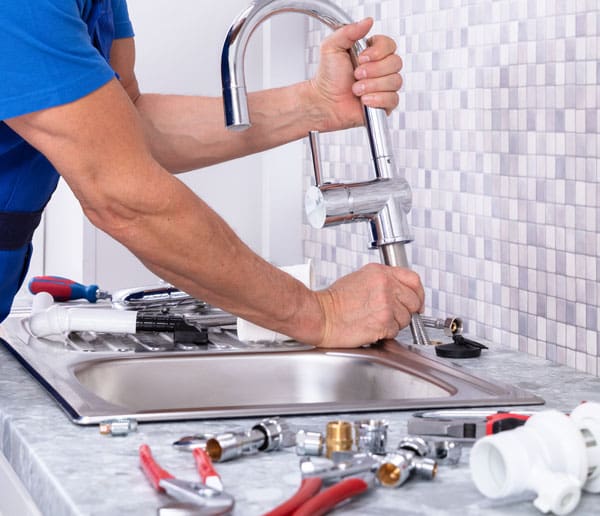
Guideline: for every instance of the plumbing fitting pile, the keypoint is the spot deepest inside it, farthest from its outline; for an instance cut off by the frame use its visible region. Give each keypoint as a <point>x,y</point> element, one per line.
<point>349,456</point>
<point>552,454</point>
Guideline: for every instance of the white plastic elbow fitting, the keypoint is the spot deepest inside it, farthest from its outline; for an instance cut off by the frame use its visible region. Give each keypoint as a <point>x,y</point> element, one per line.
<point>553,455</point>
<point>52,321</point>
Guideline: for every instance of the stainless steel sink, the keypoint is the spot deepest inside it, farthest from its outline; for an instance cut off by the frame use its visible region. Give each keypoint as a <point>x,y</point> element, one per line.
<point>231,379</point>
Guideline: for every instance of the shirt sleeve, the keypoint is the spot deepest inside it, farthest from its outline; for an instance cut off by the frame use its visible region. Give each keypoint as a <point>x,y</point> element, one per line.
<point>123,25</point>
<point>47,58</point>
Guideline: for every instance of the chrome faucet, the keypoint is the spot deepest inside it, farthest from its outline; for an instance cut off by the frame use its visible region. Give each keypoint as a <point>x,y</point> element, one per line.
<point>384,201</point>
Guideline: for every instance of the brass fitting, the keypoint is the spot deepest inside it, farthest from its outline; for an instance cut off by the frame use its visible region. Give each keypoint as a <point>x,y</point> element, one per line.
<point>338,437</point>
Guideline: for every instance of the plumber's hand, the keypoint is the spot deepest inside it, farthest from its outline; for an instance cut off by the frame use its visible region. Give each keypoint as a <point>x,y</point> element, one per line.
<point>375,81</point>
<point>373,303</point>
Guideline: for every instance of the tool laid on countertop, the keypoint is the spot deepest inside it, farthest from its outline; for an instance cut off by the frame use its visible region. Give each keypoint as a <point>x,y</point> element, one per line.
<point>51,320</point>
<point>309,500</point>
<point>465,424</point>
<point>208,499</point>
<point>206,470</point>
<point>64,289</point>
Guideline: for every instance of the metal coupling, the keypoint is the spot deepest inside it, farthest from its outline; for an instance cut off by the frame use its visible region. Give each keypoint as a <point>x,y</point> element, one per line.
<point>360,464</point>
<point>450,325</point>
<point>371,436</point>
<point>338,437</point>
<point>118,427</point>
<point>396,468</point>
<point>442,451</point>
<point>309,443</point>
<point>276,432</point>
<point>232,445</point>
<point>424,467</point>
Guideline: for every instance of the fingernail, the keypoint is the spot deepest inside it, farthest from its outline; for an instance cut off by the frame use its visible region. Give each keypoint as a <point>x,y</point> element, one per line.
<point>363,59</point>
<point>368,98</point>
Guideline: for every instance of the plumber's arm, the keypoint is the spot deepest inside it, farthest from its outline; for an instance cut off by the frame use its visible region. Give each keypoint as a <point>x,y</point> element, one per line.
<point>98,146</point>
<point>187,132</point>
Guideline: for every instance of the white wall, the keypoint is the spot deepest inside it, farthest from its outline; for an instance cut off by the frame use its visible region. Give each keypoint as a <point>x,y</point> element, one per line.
<point>178,48</point>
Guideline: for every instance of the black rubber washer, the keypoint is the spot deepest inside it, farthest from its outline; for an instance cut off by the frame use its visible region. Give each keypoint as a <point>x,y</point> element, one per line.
<point>453,350</point>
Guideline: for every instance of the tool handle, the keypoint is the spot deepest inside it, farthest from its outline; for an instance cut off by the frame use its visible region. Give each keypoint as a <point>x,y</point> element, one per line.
<point>504,421</point>
<point>63,289</point>
<point>329,498</point>
<point>204,464</point>
<point>308,488</point>
<point>153,471</point>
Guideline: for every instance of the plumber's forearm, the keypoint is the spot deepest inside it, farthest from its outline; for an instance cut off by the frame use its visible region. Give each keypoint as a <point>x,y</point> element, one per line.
<point>189,245</point>
<point>186,133</point>
<point>125,192</point>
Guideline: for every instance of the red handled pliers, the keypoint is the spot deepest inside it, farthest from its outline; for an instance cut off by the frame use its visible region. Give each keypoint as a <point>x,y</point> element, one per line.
<point>209,499</point>
<point>308,501</point>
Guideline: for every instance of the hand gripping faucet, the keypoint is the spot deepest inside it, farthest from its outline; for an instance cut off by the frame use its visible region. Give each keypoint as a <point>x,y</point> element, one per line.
<point>384,201</point>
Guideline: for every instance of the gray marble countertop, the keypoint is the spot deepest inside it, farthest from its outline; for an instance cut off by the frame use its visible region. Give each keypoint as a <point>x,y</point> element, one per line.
<point>74,470</point>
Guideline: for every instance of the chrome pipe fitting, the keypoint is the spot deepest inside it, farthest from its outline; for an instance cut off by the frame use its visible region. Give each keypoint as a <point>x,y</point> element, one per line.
<point>276,432</point>
<point>371,436</point>
<point>332,471</point>
<point>118,427</point>
<point>232,445</point>
<point>396,468</point>
<point>310,443</point>
<point>268,434</point>
<point>450,325</point>
<point>443,451</point>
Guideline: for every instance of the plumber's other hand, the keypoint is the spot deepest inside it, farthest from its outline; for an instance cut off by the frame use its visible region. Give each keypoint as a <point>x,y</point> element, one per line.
<point>375,81</point>
<point>373,303</point>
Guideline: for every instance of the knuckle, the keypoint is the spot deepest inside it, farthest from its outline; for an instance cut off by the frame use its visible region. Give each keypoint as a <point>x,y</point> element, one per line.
<point>372,267</point>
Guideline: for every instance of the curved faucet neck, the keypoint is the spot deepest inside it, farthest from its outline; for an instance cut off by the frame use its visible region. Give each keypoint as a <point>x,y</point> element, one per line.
<point>234,49</point>
<point>235,97</point>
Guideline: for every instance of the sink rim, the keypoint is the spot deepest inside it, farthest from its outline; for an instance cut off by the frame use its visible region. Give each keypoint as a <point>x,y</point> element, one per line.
<point>86,408</point>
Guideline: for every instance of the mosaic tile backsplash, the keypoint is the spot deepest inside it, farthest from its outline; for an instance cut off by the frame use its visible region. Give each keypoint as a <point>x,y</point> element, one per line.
<point>497,134</point>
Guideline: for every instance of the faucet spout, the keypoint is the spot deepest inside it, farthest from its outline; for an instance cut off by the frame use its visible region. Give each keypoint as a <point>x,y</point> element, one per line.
<point>235,96</point>
<point>383,202</point>
<point>232,58</point>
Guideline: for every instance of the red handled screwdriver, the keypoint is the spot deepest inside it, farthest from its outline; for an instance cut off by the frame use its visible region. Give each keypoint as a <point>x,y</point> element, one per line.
<point>63,289</point>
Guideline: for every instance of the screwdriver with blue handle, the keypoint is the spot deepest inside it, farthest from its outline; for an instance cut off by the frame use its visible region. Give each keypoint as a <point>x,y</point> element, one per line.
<point>64,289</point>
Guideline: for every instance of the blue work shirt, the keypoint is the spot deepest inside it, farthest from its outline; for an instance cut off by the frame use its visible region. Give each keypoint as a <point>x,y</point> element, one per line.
<point>52,52</point>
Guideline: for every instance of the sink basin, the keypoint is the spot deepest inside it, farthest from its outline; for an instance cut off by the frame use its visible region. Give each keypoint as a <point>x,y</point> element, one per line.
<point>235,381</point>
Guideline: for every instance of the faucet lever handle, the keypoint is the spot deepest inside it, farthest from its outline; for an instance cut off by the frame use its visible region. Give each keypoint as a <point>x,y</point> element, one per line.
<point>313,137</point>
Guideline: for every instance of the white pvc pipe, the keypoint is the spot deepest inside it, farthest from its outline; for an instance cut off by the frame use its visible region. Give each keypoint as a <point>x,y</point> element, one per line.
<point>551,455</point>
<point>57,320</point>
